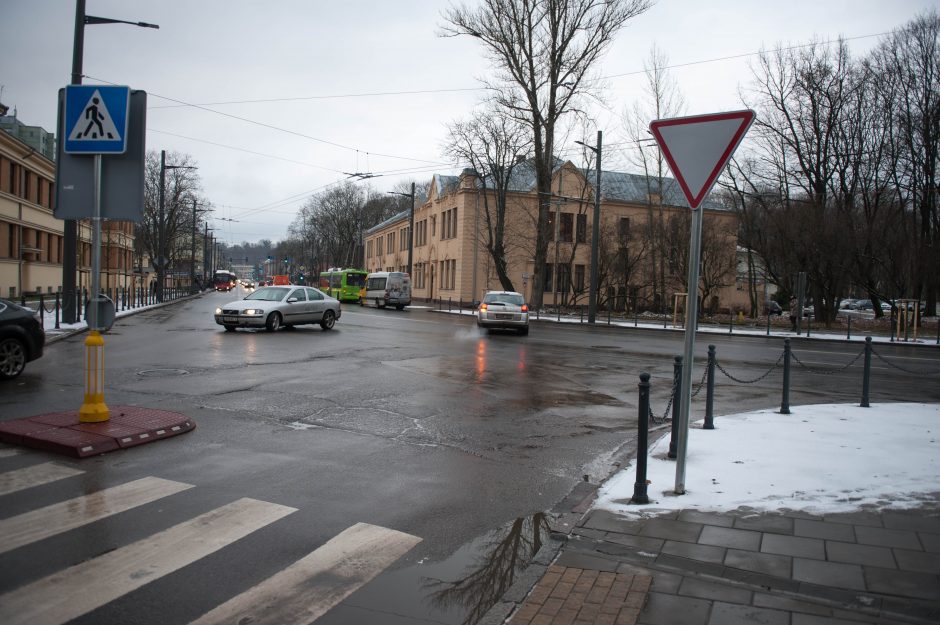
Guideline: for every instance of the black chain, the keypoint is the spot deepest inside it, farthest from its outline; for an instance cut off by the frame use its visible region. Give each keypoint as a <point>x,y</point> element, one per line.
<point>755,380</point>
<point>672,396</point>
<point>891,364</point>
<point>830,371</point>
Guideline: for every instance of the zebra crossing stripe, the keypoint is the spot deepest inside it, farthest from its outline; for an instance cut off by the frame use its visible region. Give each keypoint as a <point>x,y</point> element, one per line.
<point>7,453</point>
<point>79,589</point>
<point>36,475</point>
<point>307,589</point>
<point>61,517</point>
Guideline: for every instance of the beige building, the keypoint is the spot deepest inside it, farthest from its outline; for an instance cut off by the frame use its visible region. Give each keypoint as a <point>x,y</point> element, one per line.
<point>31,244</point>
<point>451,260</point>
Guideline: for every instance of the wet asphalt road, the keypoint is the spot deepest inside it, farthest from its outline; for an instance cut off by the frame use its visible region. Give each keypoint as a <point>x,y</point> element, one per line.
<point>409,420</point>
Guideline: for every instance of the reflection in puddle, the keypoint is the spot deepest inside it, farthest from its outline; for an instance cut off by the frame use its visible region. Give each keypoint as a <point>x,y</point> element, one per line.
<point>501,556</point>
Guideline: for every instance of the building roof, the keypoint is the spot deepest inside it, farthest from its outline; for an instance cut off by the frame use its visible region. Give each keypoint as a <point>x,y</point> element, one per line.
<point>393,219</point>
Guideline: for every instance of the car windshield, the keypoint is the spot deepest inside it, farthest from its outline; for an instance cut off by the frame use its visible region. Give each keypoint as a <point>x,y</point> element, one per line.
<point>269,294</point>
<point>504,298</point>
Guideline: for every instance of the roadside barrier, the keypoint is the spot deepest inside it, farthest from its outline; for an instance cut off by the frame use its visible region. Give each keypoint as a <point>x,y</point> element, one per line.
<point>124,299</point>
<point>785,362</point>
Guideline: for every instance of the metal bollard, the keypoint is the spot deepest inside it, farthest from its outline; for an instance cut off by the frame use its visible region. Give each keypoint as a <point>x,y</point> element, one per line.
<point>866,376</point>
<point>582,314</point>
<point>848,332</point>
<point>676,394</point>
<point>450,303</point>
<point>642,442</point>
<point>785,401</point>
<point>768,324</point>
<point>57,302</point>
<point>42,311</point>
<point>710,390</point>
<point>731,325</point>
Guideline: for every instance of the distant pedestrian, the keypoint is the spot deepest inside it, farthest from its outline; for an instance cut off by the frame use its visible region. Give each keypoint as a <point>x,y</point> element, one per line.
<point>794,311</point>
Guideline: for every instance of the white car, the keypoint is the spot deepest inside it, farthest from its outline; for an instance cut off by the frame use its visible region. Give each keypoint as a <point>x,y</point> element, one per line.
<point>504,310</point>
<point>274,307</point>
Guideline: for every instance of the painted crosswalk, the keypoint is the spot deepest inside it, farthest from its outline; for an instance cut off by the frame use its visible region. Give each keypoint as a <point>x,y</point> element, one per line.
<point>298,594</point>
<point>36,475</point>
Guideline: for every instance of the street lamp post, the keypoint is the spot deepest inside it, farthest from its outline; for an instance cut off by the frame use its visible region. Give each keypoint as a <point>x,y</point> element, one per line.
<point>411,224</point>
<point>595,231</point>
<point>162,260</point>
<point>70,226</point>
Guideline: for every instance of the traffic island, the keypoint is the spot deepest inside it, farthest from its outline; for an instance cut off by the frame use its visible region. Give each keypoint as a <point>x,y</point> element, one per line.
<point>63,433</point>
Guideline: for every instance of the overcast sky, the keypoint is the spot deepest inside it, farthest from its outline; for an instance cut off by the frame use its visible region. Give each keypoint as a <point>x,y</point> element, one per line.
<point>363,86</point>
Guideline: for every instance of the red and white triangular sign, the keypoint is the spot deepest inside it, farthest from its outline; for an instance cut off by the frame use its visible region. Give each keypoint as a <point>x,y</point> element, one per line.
<point>698,147</point>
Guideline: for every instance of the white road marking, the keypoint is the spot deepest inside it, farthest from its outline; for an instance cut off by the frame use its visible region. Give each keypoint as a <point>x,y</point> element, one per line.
<point>61,517</point>
<point>36,475</point>
<point>7,453</point>
<point>307,589</point>
<point>79,589</point>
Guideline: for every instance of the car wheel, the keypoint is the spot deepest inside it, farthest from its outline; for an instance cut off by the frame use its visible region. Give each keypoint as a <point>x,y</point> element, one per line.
<point>524,331</point>
<point>229,327</point>
<point>274,322</point>
<point>400,307</point>
<point>12,357</point>
<point>329,318</point>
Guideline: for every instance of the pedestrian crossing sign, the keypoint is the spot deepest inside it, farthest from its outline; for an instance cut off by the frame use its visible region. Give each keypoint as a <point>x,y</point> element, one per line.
<point>96,119</point>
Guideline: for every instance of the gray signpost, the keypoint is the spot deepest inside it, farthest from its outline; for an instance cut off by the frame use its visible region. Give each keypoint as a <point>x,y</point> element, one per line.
<point>697,149</point>
<point>95,121</point>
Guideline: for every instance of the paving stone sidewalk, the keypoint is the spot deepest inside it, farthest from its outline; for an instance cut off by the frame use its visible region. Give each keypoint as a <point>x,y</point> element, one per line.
<point>779,568</point>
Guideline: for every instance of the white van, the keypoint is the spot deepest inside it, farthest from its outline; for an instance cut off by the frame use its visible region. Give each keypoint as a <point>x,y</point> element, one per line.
<point>388,288</point>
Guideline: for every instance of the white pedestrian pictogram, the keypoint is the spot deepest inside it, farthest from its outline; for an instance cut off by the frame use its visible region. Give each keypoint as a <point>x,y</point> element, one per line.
<point>95,123</point>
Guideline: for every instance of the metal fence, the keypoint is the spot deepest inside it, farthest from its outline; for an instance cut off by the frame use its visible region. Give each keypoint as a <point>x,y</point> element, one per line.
<point>123,298</point>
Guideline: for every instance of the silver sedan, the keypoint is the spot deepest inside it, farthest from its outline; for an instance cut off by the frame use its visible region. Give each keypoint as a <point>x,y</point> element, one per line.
<point>274,307</point>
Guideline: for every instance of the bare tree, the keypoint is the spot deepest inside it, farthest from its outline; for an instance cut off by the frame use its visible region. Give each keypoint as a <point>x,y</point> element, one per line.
<point>492,144</point>
<point>543,51</point>
<point>662,99</point>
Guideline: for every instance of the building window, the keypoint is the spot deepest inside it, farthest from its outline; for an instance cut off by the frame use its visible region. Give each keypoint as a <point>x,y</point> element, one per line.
<point>582,228</point>
<point>390,245</point>
<point>378,246</point>
<point>547,278</point>
<point>563,278</point>
<point>579,278</point>
<point>567,228</point>
<point>624,229</point>
<point>368,249</point>
<point>433,226</point>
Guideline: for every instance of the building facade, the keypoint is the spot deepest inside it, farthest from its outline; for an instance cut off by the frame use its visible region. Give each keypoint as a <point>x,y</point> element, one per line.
<point>643,249</point>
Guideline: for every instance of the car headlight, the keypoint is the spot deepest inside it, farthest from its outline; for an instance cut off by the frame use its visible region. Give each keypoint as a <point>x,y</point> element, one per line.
<point>218,311</point>
<point>254,311</point>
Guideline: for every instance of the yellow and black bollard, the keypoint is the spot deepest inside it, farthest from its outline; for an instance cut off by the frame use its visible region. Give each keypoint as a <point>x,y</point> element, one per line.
<point>93,409</point>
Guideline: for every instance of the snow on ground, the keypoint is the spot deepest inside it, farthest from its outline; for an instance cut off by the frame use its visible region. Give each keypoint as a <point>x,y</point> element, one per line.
<point>820,459</point>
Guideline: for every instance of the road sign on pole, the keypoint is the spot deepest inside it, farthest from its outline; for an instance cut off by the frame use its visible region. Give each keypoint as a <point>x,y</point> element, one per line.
<point>697,149</point>
<point>96,119</point>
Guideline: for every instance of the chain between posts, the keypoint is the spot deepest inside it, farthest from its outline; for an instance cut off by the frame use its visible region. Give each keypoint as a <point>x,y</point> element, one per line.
<point>672,394</point>
<point>755,380</point>
<point>830,371</point>
<point>899,368</point>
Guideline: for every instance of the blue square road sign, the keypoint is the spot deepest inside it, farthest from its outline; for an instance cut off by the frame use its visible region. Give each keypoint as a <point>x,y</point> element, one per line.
<point>96,119</point>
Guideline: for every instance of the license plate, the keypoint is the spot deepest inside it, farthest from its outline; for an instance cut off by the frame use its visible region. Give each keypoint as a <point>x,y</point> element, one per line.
<point>229,319</point>
<point>504,316</point>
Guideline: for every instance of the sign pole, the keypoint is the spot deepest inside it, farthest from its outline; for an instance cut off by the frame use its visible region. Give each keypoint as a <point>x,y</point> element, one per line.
<point>93,409</point>
<point>691,316</point>
<point>697,149</point>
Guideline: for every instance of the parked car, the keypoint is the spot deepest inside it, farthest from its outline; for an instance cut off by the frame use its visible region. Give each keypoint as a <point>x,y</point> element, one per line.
<point>21,338</point>
<point>274,307</point>
<point>504,310</point>
<point>772,308</point>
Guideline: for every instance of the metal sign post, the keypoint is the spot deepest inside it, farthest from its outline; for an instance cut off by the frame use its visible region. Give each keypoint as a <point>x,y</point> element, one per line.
<point>697,149</point>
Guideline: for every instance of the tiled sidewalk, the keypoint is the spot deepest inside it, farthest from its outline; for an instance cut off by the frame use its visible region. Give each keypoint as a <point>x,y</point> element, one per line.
<point>779,568</point>
<point>573,596</point>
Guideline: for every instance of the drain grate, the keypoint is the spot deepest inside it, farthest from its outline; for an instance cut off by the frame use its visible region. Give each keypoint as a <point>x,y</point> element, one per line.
<point>162,373</point>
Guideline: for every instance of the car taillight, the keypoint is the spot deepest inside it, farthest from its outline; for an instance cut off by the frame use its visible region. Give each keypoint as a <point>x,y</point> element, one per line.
<point>482,306</point>
<point>525,308</point>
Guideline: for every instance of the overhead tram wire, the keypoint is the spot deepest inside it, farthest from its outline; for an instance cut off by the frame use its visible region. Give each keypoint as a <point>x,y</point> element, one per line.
<point>277,128</point>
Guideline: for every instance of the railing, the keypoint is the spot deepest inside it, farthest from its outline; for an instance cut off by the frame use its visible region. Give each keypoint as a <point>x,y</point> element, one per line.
<point>123,298</point>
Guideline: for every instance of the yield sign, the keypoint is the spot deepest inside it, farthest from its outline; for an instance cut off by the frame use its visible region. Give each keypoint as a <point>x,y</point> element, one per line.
<point>698,148</point>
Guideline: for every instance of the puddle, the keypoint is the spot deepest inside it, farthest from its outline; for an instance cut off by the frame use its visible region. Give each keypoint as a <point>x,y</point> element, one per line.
<point>458,590</point>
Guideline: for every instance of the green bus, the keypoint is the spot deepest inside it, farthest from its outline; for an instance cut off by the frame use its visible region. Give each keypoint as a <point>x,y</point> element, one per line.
<point>346,285</point>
